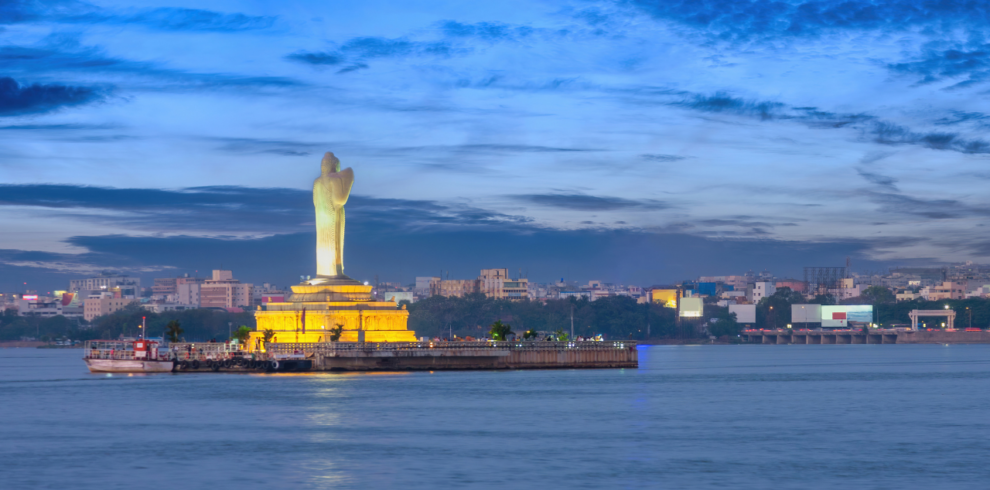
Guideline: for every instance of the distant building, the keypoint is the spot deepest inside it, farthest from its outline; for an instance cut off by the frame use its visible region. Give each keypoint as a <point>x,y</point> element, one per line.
<point>458,287</point>
<point>947,290</point>
<point>666,296</point>
<point>762,290</point>
<point>491,281</point>
<point>187,290</point>
<point>793,284</point>
<point>99,306</point>
<point>223,291</point>
<point>268,293</point>
<point>575,294</point>
<point>907,296</point>
<point>427,286</point>
<point>104,282</point>
<point>64,304</point>
<point>398,296</point>
<point>496,283</point>
<point>737,282</point>
<point>164,286</point>
<point>163,307</point>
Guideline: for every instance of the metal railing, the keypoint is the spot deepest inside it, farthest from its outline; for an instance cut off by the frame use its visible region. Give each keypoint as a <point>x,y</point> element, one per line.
<point>204,351</point>
<point>340,347</point>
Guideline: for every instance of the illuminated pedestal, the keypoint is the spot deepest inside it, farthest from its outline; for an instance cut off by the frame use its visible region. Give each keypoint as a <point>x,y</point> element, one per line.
<point>328,303</point>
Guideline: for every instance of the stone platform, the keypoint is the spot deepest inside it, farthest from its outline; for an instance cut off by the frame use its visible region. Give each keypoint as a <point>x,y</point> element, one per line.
<point>429,356</point>
<point>329,302</point>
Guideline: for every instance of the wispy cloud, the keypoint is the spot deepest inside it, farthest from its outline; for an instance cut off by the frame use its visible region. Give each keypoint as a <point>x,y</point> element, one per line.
<point>731,20</point>
<point>657,157</point>
<point>355,53</point>
<point>967,65</point>
<point>488,31</point>
<point>582,202</point>
<point>871,127</point>
<point>64,54</point>
<point>165,18</point>
<point>16,99</point>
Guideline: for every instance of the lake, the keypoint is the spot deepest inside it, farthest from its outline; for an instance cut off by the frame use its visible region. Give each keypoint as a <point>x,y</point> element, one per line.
<point>747,416</point>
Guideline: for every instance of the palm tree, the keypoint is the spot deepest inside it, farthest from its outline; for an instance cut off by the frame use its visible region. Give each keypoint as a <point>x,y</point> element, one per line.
<point>335,332</point>
<point>500,331</point>
<point>173,331</point>
<point>242,334</point>
<point>267,335</point>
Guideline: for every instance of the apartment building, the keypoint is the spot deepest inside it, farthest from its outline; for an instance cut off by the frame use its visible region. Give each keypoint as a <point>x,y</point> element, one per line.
<point>223,291</point>
<point>104,305</point>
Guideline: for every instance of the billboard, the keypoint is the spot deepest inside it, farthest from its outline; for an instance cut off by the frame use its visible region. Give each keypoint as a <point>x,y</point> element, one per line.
<point>666,297</point>
<point>806,313</point>
<point>691,307</point>
<point>744,313</point>
<point>841,315</point>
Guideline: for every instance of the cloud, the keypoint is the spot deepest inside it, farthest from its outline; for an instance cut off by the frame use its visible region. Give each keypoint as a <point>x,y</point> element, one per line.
<point>872,128</point>
<point>184,19</point>
<point>488,31</point>
<point>581,202</point>
<point>357,51</point>
<point>892,134</point>
<point>273,147</point>
<point>960,117</point>
<point>760,20</point>
<point>235,211</point>
<point>64,54</point>
<point>970,66</point>
<point>721,102</point>
<point>16,99</point>
<point>654,157</point>
<point>937,209</point>
<point>880,180</point>
<point>166,18</point>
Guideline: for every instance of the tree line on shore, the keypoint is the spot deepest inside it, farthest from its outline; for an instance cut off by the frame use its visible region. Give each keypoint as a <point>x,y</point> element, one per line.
<point>615,317</point>
<point>198,325</point>
<point>887,310</point>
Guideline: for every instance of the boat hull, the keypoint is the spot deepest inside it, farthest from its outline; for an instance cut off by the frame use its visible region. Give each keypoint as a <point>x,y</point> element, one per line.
<point>128,366</point>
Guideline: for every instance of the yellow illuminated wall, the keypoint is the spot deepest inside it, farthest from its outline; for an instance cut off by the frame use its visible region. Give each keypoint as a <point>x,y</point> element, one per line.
<point>666,297</point>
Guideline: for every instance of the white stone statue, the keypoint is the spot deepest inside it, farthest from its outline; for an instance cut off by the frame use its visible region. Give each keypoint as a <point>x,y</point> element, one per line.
<point>330,192</point>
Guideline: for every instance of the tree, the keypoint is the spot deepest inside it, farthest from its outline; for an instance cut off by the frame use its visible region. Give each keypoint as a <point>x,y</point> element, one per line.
<point>561,335</point>
<point>529,334</point>
<point>878,295</point>
<point>242,334</point>
<point>335,332</point>
<point>725,324</point>
<point>173,331</point>
<point>267,335</point>
<point>500,331</point>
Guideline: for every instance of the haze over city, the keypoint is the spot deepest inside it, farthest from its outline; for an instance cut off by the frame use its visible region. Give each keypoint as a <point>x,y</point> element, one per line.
<point>635,142</point>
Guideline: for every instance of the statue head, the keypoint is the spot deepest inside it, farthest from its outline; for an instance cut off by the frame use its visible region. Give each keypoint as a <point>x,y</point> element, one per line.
<point>329,163</point>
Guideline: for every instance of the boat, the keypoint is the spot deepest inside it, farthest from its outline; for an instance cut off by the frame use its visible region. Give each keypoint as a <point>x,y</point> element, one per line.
<point>125,356</point>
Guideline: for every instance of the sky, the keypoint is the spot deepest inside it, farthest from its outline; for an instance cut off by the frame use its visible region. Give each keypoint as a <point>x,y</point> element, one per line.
<point>638,142</point>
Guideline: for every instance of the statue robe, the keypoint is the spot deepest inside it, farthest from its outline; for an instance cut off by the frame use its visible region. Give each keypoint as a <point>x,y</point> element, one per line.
<point>330,193</point>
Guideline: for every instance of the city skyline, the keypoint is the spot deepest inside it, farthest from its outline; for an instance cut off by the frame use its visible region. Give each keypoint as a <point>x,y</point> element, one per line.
<point>630,142</point>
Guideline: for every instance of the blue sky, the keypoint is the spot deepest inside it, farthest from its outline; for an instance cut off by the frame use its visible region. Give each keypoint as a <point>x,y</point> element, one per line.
<point>630,141</point>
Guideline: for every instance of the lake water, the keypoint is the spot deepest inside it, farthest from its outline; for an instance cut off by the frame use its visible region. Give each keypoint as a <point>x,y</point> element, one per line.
<point>802,416</point>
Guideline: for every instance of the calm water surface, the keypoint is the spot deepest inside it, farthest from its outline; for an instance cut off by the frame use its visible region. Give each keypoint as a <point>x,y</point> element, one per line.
<point>849,416</point>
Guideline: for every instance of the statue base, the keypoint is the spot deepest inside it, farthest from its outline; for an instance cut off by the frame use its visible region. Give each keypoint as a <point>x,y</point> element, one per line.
<point>328,301</point>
